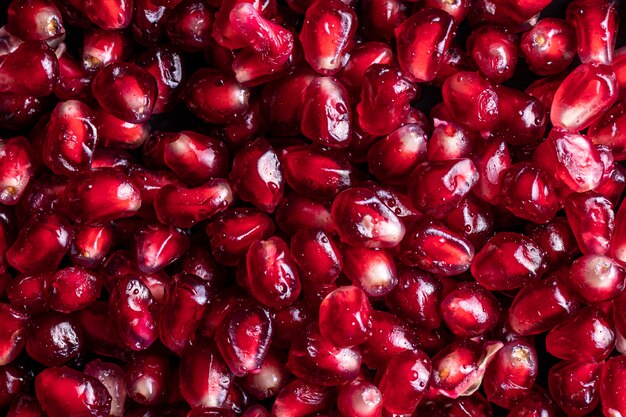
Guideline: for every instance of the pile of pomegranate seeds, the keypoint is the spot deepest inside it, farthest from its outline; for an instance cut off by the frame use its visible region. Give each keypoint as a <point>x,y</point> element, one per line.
<point>331,208</point>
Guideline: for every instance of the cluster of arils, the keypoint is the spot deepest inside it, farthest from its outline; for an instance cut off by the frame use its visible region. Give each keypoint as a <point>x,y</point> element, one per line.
<point>355,208</point>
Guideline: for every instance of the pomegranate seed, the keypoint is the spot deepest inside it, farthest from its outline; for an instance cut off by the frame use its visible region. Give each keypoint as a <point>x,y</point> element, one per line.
<point>29,293</point>
<point>469,310</point>
<point>384,90</point>
<point>404,381</point>
<point>549,47</point>
<point>540,306</point>
<point>527,192</point>
<point>17,167</point>
<point>34,20</point>
<point>317,254</point>
<point>491,164</point>
<point>296,212</point>
<point>112,377</point>
<point>390,336</point>
<point>595,23</point>
<point>189,25</point>
<point>290,322</point>
<point>372,270</point>
<point>596,278</point>
<point>417,297</point>
<point>72,289</point>
<point>74,82</point>
<point>607,130</point>
<point>25,406</point>
<point>536,404</point>
<point>300,398</point>
<point>204,377</point>
<point>612,386</point>
<point>158,246</point>
<point>13,331</point>
<point>422,40</point>
<point>270,378</point>
<point>494,51</point>
<point>433,247</point>
<point>91,245</point>
<point>101,47</point>
<point>101,336</point>
<point>149,20</point>
<point>361,58</point>
<point>32,70</point>
<point>126,91</point>
<point>522,117</point>
<point>472,99</point>
<point>146,377</point>
<point>19,111</point>
<point>473,219</point>
<point>166,66</point>
<point>591,217</point>
<point>184,207</point>
<point>345,317</point>
<point>360,399</point>
<point>450,141</point>
<point>54,339</point>
<point>512,373</point>
<point>575,386</point>
<point>15,380</point>
<point>379,18</point>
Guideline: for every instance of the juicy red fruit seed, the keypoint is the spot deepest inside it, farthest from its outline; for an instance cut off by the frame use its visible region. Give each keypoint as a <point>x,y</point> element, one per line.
<point>345,317</point>
<point>404,381</point>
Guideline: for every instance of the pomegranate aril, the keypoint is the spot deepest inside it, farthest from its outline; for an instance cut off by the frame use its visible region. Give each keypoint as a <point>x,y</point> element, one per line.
<point>494,159</point>
<point>17,167</point>
<point>540,306</point>
<point>54,339</point>
<point>512,373</point>
<point>450,141</point>
<point>527,192</point>
<point>32,69</point>
<point>345,317</point>
<point>72,289</point>
<point>74,82</point>
<point>300,398</point>
<point>13,333</point>
<point>404,381</point>
<point>390,336</point>
<point>15,379</point>
<point>372,270</point>
<point>422,40</point>
<point>149,20</point>
<point>37,20</point>
<point>189,25</point>
<point>317,255</point>
<point>575,386</point>
<point>538,403</point>
<point>112,377</point>
<point>384,90</point>
<point>417,297</point>
<point>19,111</point>
<point>146,377</point>
<point>591,217</point>
<point>469,310</point>
<point>523,118</point>
<point>361,58</point>
<point>473,100</point>
<point>158,246</point>
<point>126,91</point>
<point>549,47</point>
<point>91,244</point>
<point>433,247</point>
<point>360,399</point>
<point>103,47</point>
<point>166,66</point>
<point>25,406</point>
<point>595,23</point>
<point>296,212</point>
<point>204,377</point>
<point>608,130</point>
<point>394,157</point>
<point>494,51</point>
<point>184,207</point>
<point>379,18</point>
<point>596,278</point>
<point>29,293</point>
<point>269,379</point>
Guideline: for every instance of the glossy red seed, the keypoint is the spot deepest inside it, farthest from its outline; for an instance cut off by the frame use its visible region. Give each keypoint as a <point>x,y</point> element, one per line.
<point>363,220</point>
<point>608,130</point>
<point>38,20</point>
<point>372,270</point>
<point>317,254</point>
<point>469,310</point>
<point>30,293</point>
<point>112,377</point>
<point>102,47</point>
<point>550,46</point>
<point>472,99</point>
<point>404,381</point>
<point>494,51</point>
<point>32,69</point>
<point>90,245</point>
<point>384,90</point>
<point>316,360</point>
<point>433,247</point>
<point>523,117</point>
<point>149,20</point>
<point>541,306</point>
<point>19,111</point>
<point>361,58</point>
<point>204,377</point>
<point>13,333</point>
<point>394,157</point>
<point>157,246</point>
<point>360,399</point>
<point>345,317</point>
<point>591,217</point>
<point>538,403</point>
<point>422,40</point>
<point>184,207</point>
<point>575,386</point>
<point>571,159</point>
<point>41,244</point>
<point>72,289</point>
<point>390,336</point>
<point>166,66</point>
<point>512,373</point>
<point>25,406</point>
<point>17,167</point>
<point>15,380</point>
<point>595,23</point>
<point>297,212</point>
<point>417,297</point>
<point>300,398</point>
<point>491,164</point>
<point>596,278</point>
<point>269,379</point>
<point>189,25</point>
<point>146,377</point>
<point>54,339</point>
<point>450,141</point>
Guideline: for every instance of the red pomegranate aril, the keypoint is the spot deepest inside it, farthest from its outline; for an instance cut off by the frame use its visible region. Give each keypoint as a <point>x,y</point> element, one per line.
<point>166,66</point>
<point>126,91</point>
<point>132,309</point>
<point>112,377</point>
<point>595,23</point>
<point>316,360</point>
<point>146,377</point>
<point>257,175</point>
<point>296,212</point>
<point>458,9</point>
<point>474,405</point>
<point>450,141</point>
<point>103,47</point>
<point>17,167</point>
<point>523,118</point>
<point>436,187</point>
<point>29,293</point>
<point>609,130</point>
<point>101,336</point>
<point>184,207</point>
<point>19,111</point>
<point>71,138</point>
<point>527,192</point>
<point>361,58</point>
<point>13,333</point>
<point>591,217</point>
<point>612,389</point>
<point>15,380</point>
<point>158,245</point>
<point>596,91</point>
<point>345,317</point>
<point>327,35</point>
<point>379,18</point>
<point>469,310</point>
<point>72,289</point>
<point>100,196</point>
<point>494,51</point>
<point>32,69</point>
<point>472,99</point>
<point>575,386</point>
<point>215,97</point>
<point>459,368</point>
<point>269,379</point>
<point>220,306</point>
<point>317,254</point>
<point>571,159</point>
<point>300,398</point>
<point>433,247</point>
<point>149,20</point>
<point>473,219</point>
<point>417,297</point>
<point>54,339</point>
<point>74,82</point>
<point>586,336</point>
<point>394,157</point>
<point>537,404</point>
<point>372,270</point>
<point>64,392</point>
<point>512,373</point>
<point>395,200</point>
<point>37,20</point>
<point>404,381</point>
<point>422,40</point>
<point>549,47</point>
<point>596,278</point>
<point>108,14</point>
<point>360,399</point>
<point>326,113</point>
<point>118,134</point>
<point>494,159</point>
<point>41,244</point>
<point>25,406</point>
<point>204,377</point>
<point>290,322</point>
<point>363,220</point>
<point>317,173</point>
<point>91,244</point>
<point>540,306</point>
<point>384,90</point>
<point>189,25</point>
